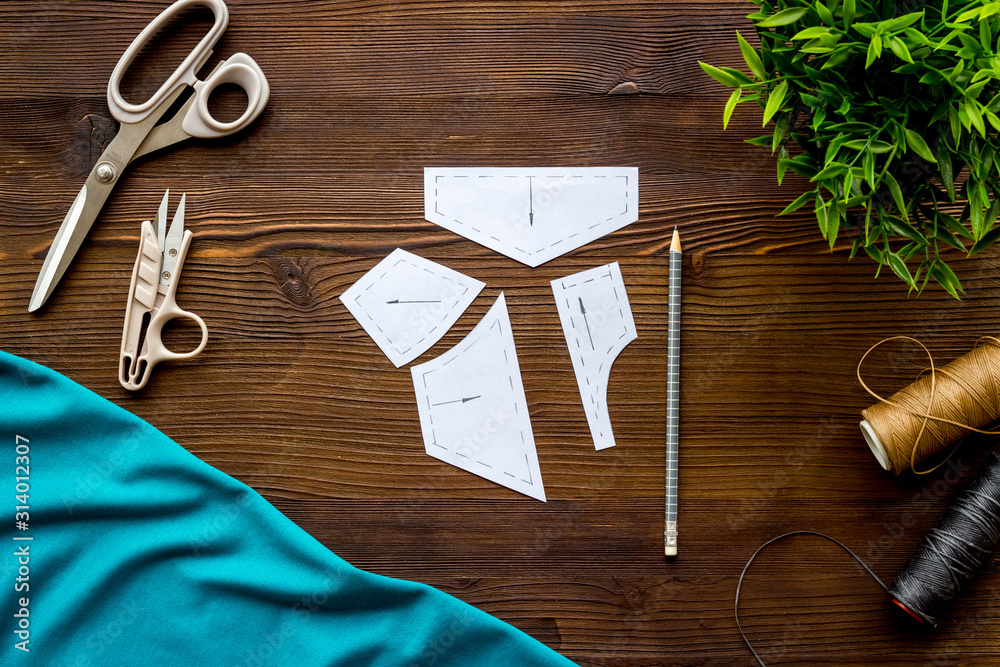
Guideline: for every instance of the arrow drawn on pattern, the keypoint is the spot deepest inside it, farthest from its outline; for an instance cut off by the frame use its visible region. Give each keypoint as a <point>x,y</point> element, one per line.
<point>398,301</point>
<point>531,204</point>
<point>583,311</point>
<point>457,400</point>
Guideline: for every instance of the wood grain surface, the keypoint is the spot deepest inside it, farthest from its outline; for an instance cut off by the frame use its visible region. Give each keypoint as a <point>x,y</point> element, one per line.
<point>293,398</point>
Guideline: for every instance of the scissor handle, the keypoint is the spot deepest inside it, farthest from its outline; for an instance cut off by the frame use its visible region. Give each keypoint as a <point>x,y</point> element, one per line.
<point>241,70</point>
<point>184,75</point>
<point>135,372</point>
<point>156,351</point>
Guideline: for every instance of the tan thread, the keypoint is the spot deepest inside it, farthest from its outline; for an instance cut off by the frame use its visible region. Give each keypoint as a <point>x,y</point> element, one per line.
<point>939,408</point>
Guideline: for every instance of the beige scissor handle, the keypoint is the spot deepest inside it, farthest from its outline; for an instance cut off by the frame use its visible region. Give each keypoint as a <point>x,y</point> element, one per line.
<point>184,75</point>
<point>136,369</point>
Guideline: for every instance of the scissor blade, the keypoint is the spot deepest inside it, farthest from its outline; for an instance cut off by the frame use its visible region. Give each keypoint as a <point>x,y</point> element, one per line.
<point>69,238</point>
<point>161,220</point>
<point>173,244</point>
<point>88,203</point>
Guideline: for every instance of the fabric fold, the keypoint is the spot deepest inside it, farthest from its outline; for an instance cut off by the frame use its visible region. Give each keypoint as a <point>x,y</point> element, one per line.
<point>133,551</point>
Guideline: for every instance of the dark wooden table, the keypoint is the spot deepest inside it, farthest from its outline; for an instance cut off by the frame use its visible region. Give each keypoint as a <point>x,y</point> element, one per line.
<point>293,398</point>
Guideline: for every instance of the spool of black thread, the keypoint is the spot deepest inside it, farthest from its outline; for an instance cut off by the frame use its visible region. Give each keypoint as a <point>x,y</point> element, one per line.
<point>954,551</point>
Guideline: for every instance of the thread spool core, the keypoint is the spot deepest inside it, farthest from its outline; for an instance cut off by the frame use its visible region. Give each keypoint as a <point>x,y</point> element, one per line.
<point>878,449</point>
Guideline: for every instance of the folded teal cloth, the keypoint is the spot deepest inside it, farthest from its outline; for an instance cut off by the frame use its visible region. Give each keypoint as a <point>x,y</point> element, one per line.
<point>132,551</point>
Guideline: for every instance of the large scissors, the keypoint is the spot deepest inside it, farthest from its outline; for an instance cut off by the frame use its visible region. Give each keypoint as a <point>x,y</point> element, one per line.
<point>152,298</point>
<point>140,135</point>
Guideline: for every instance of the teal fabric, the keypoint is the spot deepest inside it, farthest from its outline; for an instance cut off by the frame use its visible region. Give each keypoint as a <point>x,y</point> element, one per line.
<point>142,554</point>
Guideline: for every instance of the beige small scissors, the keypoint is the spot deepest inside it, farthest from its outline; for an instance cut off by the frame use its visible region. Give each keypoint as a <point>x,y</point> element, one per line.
<point>152,292</point>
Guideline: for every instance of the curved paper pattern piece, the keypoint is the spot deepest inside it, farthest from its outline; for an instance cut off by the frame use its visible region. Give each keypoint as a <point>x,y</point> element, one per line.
<point>406,303</point>
<point>473,413</point>
<point>597,321</point>
<point>532,214</point>
<point>133,552</point>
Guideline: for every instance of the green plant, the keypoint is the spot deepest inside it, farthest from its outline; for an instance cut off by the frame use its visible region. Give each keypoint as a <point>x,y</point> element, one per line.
<point>894,110</point>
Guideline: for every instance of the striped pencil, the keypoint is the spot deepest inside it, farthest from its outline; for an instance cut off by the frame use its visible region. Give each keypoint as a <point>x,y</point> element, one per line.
<point>673,394</point>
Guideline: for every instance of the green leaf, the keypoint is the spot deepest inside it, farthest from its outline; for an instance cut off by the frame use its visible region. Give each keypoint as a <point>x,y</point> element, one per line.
<point>897,195</point>
<point>904,229</point>
<point>994,104</point>
<point>866,144</point>
<point>763,140</point>
<point>955,226</point>
<point>874,253</point>
<point>944,234</point>
<point>918,145</point>
<point>774,101</point>
<point>897,46</point>
<point>724,78</point>
<point>872,55</point>
<point>825,15</point>
<point>898,267</point>
<point>850,7</point>
<point>900,22</point>
<point>740,77</point>
<point>866,29</point>
<point>799,167</point>
<point>868,164</point>
<point>946,278</point>
<point>839,56</point>
<point>752,58</point>
<point>975,211</point>
<point>989,238</point>
<point>854,126</point>
<point>994,120</point>
<point>833,223</point>
<point>780,128</point>
<point>811,33</point>
<point>784,17</point>
<point>799,202</point>
<point>834,170</point>
<point>810,100</point>
<point>976,118</point>
<point>945,170</point>
<point>968,14</point>
<point>822,213</point>
<point>953,122</point>
<point>730,105</point>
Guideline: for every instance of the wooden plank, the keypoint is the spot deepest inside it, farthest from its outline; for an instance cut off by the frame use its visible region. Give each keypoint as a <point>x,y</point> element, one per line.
<point>293,398</point>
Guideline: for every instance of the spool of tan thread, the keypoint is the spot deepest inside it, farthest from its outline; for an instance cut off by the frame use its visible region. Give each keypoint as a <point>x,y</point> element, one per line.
<point>937,410</point>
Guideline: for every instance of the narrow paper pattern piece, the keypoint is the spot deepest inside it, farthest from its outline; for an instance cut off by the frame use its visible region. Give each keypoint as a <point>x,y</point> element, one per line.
<point>473,413</point>
<point>597,321</point>
<point>532,214</point>
<point>406,303</point>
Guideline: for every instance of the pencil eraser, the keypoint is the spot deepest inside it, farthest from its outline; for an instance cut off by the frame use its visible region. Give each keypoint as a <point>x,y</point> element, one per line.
<point>670,551</point>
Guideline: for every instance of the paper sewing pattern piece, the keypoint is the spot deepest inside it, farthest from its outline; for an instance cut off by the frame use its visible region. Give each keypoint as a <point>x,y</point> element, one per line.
<point>406,303</point>
<point>597,321</point>
<point>531,214</point>
<point>473,412</point>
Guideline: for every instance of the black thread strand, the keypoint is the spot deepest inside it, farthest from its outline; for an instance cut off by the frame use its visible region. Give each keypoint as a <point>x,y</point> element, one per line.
<point>739,584</point>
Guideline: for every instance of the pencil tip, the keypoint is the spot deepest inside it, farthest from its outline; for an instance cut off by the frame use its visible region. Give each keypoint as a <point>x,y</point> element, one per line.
<point>675,243</point>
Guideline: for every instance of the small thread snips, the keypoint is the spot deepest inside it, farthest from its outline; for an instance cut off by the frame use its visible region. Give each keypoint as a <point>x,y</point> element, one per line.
<point>151,298</point>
